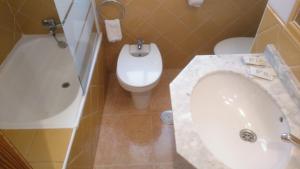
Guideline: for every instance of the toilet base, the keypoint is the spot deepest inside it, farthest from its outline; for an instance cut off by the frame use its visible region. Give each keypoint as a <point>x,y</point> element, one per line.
<point>141,100</point>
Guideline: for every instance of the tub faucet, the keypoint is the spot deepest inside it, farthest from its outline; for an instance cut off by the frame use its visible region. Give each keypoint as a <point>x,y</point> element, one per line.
<point>288,137</point>
<point>140,43</point>
<point>52,25</point>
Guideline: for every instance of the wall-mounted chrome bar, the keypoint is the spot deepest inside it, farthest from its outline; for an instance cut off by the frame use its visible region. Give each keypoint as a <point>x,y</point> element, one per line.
<point>113,2</point>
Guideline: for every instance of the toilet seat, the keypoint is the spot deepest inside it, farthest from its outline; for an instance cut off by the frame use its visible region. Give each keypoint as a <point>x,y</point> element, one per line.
<point>237,45</point>
<point>138,74</point>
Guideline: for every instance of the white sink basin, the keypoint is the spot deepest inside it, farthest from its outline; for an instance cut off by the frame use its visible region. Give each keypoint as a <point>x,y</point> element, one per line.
<point>223,104</point>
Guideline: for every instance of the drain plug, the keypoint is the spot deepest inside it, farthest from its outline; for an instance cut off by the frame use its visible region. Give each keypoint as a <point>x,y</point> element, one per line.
<point>248,135</point>
<point>66,85</point>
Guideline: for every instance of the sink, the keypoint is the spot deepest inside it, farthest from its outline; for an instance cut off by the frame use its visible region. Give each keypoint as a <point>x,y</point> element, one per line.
<point>239,122</point>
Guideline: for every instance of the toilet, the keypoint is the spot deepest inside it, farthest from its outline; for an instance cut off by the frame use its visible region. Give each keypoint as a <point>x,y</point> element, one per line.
<point>236,45</point>
<point>139,71</point>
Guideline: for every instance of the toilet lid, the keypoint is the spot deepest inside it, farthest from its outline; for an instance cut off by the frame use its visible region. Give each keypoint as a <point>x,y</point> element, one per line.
<point>237,45</point>
<point>139,71</point>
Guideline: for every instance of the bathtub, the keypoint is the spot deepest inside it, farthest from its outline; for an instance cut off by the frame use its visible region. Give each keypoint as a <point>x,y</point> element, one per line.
<point>39,87</point>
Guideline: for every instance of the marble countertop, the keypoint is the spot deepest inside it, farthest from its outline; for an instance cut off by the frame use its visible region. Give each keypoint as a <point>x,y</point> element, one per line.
<point>188,140</point>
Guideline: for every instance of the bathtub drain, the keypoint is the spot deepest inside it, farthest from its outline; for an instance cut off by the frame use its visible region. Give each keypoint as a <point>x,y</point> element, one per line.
<point>65,85</point>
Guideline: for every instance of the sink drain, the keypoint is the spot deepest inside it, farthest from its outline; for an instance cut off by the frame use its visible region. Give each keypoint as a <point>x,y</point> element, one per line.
<point>248,135</point>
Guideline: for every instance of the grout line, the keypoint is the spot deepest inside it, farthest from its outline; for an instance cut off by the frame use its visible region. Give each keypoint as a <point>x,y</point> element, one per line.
<point>31,144</point>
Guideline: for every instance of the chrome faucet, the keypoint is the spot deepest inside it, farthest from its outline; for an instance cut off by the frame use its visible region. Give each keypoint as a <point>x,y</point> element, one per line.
<point>52,26</point>
<point>140,43</point>
<point>288,137</point>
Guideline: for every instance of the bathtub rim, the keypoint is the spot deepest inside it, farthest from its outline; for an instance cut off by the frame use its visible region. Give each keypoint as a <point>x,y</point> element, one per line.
<point>67,118</point>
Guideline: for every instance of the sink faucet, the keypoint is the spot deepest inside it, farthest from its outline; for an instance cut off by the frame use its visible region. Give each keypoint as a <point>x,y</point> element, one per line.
<point>140,44</point>
<point>288,137</point>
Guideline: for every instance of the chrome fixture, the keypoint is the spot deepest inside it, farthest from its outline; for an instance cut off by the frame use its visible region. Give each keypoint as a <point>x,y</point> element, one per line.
<point>248,135</point>
<point>52,26</point>
<point>140,44</point>
<point>290,138</point>
<point>117,4</point>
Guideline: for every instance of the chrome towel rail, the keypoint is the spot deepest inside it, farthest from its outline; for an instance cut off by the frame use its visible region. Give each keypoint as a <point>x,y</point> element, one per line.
<point>113,2</point>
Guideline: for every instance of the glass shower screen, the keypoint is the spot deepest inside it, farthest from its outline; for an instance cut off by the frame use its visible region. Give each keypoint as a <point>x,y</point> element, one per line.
<point>78,19</point>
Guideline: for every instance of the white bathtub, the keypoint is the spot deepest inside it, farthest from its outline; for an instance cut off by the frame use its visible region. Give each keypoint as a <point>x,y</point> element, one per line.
<point>31,92</point>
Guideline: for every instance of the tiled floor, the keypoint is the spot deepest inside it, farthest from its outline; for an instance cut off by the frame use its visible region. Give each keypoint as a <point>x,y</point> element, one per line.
<point>133,139</point>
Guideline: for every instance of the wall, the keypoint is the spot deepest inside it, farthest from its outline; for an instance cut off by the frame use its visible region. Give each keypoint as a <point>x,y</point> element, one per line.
<point>85,143</point>
<point>29,13</point>
<point>10,32</point>
<point>182,31</point>
<point>273,30</point>
<point>43,149</point>
<point>22,17</point>
<point>283,10</point>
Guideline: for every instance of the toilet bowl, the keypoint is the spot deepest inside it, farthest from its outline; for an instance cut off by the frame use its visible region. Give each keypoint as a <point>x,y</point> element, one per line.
<point>139,71</point>
<point>237,45</point>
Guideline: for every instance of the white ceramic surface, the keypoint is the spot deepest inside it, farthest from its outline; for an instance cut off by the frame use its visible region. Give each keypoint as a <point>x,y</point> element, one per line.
<point>139,74</point>
<point>189,141</point>
<point>237,45</point>
<point>31,93</point>
<point>222,104</point>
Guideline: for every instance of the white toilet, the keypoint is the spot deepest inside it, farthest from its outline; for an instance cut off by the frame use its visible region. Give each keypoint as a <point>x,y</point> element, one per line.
<point>139,71</point>
<point>237,45</point>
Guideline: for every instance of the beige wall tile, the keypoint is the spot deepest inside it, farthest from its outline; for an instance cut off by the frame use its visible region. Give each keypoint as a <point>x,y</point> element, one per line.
<point>6,17</point>
<point>184,31</point>
<point>47,165</point>
<point>296,71</point>
<point>29,14</point>
<point>9,32</point>
<point>289,49</point>
<point>43,149</point>
<point>21,139</point>
<point>268,21</point>
<point>273,31</point>
<point>269,36</point>
<point>22,16</point>
<point>49,146</point>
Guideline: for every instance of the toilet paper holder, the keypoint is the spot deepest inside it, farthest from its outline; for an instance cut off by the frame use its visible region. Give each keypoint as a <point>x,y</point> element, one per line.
<point>116,3</point>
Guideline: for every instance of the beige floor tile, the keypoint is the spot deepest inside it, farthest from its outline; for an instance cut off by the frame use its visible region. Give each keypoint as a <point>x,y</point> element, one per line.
<point>126,167</point>
<point>163,166</point>
<point>134,139</point>
<point>164,149</point>
<point>161,94</point>
<point>118,100</point>
<point>125,139</point>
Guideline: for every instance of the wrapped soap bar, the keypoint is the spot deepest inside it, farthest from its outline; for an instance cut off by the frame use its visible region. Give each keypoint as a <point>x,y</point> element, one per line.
<point>254,60</point>
<point>265,73</point>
